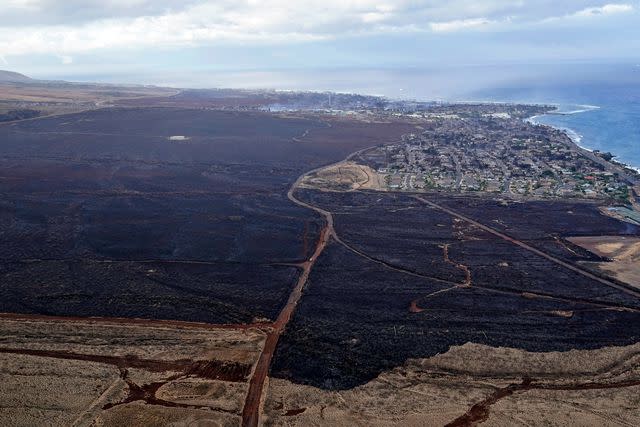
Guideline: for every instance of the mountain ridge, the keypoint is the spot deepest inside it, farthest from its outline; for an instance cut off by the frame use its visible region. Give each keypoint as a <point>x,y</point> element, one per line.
<point>13,77</point>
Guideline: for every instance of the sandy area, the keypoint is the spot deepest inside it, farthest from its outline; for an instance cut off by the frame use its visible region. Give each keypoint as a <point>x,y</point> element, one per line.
<point>609,407</point>
<point>96,373</point>
<point>345,176</point>
<point>623,251</point>
<point>441,389</point>
<point>80,373</point>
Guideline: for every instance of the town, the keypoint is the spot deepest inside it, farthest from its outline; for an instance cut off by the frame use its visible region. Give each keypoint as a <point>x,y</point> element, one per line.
<point>463,150</point>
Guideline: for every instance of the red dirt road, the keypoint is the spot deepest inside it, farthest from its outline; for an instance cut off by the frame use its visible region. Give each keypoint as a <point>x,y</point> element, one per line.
<point>530,248</point>
<point>479,412</point>
<point>134,321</point>
<point>251,410</point>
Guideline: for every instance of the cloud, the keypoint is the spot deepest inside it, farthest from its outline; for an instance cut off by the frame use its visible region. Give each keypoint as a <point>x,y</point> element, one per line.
<point>79,26</point>
<point>23,5</point>
<point>459,24</point>
<point>607,9</point>
<point>66,59</point>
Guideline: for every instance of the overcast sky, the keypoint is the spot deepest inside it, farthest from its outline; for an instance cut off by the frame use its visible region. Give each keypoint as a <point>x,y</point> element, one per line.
<point>54,37</point>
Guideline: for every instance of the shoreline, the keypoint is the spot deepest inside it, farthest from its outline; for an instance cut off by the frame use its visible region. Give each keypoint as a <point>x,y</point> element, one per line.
<point>577,138</point>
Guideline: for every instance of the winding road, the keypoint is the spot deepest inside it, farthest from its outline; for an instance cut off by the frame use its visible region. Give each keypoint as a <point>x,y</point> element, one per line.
<point>254,399</point>
<point>251,410</point>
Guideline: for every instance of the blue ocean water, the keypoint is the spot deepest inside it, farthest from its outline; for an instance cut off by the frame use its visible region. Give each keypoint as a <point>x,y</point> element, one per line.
<point>600,113</point>
<point>613,127</point>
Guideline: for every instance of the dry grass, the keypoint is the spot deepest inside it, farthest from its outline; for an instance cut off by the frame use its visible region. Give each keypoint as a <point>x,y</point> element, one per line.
<point>58,386</point>
<point>437,390</point>
<point>345,176</point>
<point>623,251</point>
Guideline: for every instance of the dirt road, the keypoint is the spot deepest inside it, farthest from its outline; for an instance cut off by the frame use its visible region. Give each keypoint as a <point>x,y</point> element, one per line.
<point>523,245</point>
<point>251,410</point>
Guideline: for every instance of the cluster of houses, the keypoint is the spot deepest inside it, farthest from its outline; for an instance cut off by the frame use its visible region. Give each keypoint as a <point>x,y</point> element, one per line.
<point>495,154</point>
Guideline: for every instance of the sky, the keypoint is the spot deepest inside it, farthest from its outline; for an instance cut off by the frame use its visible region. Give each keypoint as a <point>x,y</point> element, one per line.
<point>100,38</point>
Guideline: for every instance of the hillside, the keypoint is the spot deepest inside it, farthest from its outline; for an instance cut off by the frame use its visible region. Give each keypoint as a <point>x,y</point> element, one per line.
<point>10,76</point>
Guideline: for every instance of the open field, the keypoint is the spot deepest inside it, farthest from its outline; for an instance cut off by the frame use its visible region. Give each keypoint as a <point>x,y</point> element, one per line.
<point>41,98</point>
<point>76,372</point>
<point>67,93</point>
<point>473,384</point>
<point>103,215</point>
<point>623,252</point>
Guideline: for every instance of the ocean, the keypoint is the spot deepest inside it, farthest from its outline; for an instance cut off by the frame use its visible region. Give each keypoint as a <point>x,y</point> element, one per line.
<point>600,111</point>
<point>600,103</point>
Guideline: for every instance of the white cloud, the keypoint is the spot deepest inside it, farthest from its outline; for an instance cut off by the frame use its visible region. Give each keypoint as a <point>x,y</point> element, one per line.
<point>607,9</point>
<point>77,26</point>
<point>22,4</point>
<point>66,59</point>
<point>373,17</point>
<point>459,24</point>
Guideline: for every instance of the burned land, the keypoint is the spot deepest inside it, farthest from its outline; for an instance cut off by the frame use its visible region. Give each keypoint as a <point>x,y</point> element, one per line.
<point>165,252</point>
<point>404,280</point>
<point>103,214</point>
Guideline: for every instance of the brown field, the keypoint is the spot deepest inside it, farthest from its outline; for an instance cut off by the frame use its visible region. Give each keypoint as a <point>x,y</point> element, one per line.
<point>623,251</point>
<point>96,372</point>
<point>72,93</point>
<point>64,98</point>
<point>344,176</point>
<point>473,384</point>
<point>110,373</point>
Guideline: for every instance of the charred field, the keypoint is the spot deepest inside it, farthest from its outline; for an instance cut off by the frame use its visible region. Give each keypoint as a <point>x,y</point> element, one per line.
<point>104,214</point>
<point>404,280</point>
<point>178,213</point>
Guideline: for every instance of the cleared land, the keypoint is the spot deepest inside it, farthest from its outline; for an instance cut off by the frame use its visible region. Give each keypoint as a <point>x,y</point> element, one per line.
<point>623,252</point>
<point>58,372</point>
<point>473,384</point>
<point>344,176</point>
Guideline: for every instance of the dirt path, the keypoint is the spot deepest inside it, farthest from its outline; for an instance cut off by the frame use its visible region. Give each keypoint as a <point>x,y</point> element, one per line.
<point>251,410</point>
<point>534,295</point>
<point>147,393</point>
<point>531,248</point>
<point>252,407</point>
<point>415,308</point>
<point>464,268</point>
<point>211,369</point>
<point>479,412</point>
<point>134,321</point>
<point>388,265</point>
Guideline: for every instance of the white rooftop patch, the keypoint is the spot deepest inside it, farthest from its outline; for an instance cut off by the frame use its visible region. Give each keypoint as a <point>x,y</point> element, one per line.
<point>178,138</point>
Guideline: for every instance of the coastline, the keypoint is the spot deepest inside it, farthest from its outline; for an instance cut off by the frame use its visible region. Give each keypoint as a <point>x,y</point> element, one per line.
<point>574,136</point>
